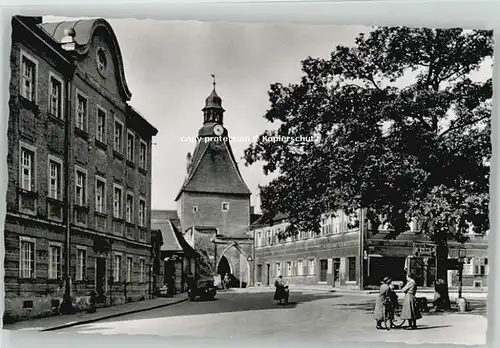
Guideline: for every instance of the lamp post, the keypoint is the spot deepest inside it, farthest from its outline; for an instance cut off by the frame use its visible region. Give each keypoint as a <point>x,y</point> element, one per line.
<point>462,253</point>
<point>461,302</point>
<point>251,270</point>
<point>68,43</point>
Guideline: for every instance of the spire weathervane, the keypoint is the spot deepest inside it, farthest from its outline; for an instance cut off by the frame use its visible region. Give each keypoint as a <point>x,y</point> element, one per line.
<point>213,77</point>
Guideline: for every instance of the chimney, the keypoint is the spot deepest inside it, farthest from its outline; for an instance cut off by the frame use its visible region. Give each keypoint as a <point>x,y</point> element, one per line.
<point>189,162</point>
<point>252,210</point>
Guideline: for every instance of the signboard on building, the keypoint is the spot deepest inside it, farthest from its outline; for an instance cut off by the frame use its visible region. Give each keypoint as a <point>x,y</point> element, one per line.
<point>424,249</point>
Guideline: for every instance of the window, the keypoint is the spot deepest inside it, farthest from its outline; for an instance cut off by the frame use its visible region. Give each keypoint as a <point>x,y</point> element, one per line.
<point>118,142</point>
<point>142,212</point>
<point>468,266</point>
<point>289,269</point>
<point>481,266</point>
<point>55,96</point>
<point>100,194</point>
<point>269,238</point>
<point>129,269</point>
<point>325,226</point>
<point>142,270</point>
<point>117,267</point>
<point>81,188</point>
<point>55,176</point>
<point>311,267</point>
<point>117,202</point>
<point>300,268</point>
<point>27,258</point>
<point>143,160</point>
<point>278,268</point>
<point>81,263</point>
<point>101,60</point>
<point>54,261</point>
<point>100,131</point>
<point>81,111</point>
<point>28,77</point>
<point>130,146</point>
<point>195,209</point>
<point>225,206</point>
<point>27,168</point>
<point>259,238</point>
<point>351,269</point>
<point>129,209</point>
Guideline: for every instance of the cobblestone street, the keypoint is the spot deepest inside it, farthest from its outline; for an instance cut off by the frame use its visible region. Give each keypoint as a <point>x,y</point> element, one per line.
<point>319,316</point>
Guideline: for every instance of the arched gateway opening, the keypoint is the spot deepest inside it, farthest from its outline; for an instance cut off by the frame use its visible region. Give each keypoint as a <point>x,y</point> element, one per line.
<point>239,269</point>
<point>223,267</point>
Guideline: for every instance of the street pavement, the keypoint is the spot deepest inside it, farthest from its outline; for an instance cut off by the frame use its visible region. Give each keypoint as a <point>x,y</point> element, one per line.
<point>311,315</point>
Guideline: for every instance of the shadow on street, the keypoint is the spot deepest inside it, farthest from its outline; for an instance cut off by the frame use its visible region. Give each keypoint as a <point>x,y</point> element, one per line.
<point>227,303</point>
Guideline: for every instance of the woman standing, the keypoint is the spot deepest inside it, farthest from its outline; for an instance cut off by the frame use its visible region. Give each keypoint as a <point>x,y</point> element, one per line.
<point>382,301</point>
<point>410,310</point>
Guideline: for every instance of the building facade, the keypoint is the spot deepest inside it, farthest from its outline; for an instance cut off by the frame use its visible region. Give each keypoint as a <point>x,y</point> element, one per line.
<point>346,255</point>
<point>105,156</point>
<point>214,201</point>
<point>176,258</point>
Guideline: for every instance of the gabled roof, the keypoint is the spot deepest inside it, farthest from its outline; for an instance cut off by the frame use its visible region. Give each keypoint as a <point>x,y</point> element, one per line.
<point>84,31</point>
<point>170,240</point>
<point>280,217</point>
<point>214,170</point>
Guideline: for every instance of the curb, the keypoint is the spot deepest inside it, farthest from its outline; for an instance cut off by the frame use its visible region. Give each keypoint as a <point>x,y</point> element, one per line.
<point>109,316</point>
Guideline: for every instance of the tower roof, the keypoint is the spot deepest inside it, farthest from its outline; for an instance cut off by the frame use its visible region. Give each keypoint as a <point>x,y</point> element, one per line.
<point>213,101</point>
<point>214,170</point>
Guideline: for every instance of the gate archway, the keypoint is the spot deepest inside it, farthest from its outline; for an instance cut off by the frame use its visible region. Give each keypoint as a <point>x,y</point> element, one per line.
<point>241,253</point>
<point>224,267</point>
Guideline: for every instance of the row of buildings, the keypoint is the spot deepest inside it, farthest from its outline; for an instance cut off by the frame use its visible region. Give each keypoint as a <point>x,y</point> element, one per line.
<point>346,254</point>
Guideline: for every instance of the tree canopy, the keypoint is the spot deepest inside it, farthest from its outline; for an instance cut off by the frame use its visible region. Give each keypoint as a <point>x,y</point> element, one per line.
<point>399,127</point>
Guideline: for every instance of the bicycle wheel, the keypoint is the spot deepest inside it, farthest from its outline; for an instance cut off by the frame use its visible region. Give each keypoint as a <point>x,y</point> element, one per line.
<point>397,321</point>
<point>388,324</point>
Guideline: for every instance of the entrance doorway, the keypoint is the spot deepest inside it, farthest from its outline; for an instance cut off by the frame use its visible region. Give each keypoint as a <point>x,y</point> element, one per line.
<point>259,273</point>
<point>336,273</point>
<point>268,274</point>
<point>223,267</point>
<point>323,269</point>
<point>100,276</point>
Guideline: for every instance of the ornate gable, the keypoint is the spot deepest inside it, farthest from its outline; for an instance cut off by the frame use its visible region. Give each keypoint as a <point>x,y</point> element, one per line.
<point>98,51</point>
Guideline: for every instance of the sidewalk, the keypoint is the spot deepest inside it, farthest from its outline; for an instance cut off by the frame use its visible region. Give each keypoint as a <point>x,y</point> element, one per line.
<point>64,321</point>
<point>421,292</point>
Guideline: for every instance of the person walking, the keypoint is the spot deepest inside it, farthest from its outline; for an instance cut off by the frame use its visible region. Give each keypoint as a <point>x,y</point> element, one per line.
<point>410,311</point>
<point>439,290</point>
<point>279,293</point>
<point>381,302</point>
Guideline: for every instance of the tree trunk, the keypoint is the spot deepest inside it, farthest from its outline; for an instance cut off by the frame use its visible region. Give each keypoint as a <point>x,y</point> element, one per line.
<point>442,271</point>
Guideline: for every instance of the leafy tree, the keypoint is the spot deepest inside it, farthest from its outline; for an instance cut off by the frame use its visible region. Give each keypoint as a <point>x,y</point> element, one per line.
<point>399,128</point>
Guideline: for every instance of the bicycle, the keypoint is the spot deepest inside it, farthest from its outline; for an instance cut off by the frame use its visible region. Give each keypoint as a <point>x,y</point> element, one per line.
<point>392,316</point>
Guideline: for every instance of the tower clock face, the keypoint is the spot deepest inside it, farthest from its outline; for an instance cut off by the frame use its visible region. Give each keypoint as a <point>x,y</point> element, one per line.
<point>218,130</point>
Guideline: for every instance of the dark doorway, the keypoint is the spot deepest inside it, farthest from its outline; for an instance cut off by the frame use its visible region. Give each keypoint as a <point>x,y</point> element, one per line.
<point>259,273</point>
<point>223,267</point>
<point>336,272</point>
<point>100,276</point>
<point>323,269</point>
<point>268,274</point>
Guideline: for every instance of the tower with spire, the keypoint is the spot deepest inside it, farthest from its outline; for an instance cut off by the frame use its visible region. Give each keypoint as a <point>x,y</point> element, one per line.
<point>214,201</point>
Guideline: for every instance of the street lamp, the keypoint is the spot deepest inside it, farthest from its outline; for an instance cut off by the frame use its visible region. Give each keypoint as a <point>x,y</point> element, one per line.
<point>462,253</point>
<point>68,44</point>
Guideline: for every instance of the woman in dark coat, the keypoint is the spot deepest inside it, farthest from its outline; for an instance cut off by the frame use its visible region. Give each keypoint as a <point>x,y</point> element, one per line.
<point>383,299</point>
<point>410,310</point>
<point>279,294</point>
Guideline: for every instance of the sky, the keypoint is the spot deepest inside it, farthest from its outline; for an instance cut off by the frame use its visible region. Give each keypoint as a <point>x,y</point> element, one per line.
<point>168,67</point>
